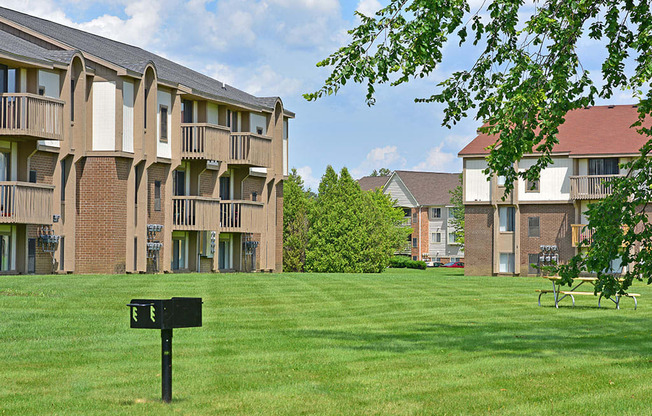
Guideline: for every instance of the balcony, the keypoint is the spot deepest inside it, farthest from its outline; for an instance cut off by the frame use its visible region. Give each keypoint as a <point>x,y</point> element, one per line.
<point>407,222</point>
<point>25,203</point>
<point>204,141</point>
<point>242,217</point>
<point>195,213</point>
<point>406,249</point>
<point>592,187</point>
<point>31,116</point>
<point>582,233</point>
<point>250,149</point>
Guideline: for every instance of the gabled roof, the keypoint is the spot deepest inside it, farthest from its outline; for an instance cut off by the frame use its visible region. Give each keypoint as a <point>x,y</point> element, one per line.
<point>369,183</point>
<point>134,59</point>
<point>593,131</point>
<point>429,188</point>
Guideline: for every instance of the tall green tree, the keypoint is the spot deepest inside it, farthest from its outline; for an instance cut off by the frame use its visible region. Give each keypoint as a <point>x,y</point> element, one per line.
<point>351,231</point>
<point>528,74</point>
<point>457,220</point>
<point>296,209</point>
<point>381,172</point>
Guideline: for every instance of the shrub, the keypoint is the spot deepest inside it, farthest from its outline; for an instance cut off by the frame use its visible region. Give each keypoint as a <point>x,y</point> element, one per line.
<point>402,262</point>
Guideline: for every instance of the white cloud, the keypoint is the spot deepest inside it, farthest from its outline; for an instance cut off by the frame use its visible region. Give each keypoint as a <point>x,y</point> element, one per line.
<point>377,158</point>
<point>261,80</point>
<point>368,7</point>
<point>438,160</point>
<point>309,181</point>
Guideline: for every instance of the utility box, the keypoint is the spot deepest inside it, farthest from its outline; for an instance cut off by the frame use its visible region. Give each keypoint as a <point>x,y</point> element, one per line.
<point>165,313</point>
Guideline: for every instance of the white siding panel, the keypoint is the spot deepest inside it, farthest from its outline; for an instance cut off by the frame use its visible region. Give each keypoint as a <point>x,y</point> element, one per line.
<point>554,183</point>
<point>104,116</point>
<point>164,149</point>
<point>257,120</point>
<point>397,190</point>
<point>478,188</point>
<point>212,113</point>
<point>50,81</point>
<point>128,117</point>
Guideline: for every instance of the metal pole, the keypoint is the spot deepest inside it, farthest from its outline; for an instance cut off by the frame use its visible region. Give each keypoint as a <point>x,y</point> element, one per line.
<point>166,365</point>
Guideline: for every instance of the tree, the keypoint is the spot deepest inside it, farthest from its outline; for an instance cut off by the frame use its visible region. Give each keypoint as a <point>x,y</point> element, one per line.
<point>527,76</point>
<point>457,200</point>
<point>381,172</point>
<point>351,231</point>
<point>296,208</point>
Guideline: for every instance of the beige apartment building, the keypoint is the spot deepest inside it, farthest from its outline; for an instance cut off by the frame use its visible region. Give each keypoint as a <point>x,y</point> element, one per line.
<point>425,198</point>
<point>544,221</point>
<point>114,160</point>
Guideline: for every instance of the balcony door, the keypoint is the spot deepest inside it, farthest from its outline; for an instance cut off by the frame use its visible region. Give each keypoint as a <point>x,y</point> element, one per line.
<point>4,79</point>
<point>187,111</point>
<point>6,194</point>
<point>604,166</point>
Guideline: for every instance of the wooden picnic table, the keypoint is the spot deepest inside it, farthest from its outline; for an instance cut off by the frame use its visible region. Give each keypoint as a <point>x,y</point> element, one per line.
<point>559,294</point>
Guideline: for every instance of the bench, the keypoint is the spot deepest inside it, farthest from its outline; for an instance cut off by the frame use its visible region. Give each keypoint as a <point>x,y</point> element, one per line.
<point>572,294</point>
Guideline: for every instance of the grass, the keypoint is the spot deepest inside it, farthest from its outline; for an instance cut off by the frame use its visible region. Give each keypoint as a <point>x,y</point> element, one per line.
<point>406,342</point>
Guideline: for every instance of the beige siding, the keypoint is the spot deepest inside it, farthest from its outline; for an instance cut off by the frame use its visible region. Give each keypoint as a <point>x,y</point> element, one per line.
<point>398,191</point>
<point>478,189</point>
<point>554,184</point>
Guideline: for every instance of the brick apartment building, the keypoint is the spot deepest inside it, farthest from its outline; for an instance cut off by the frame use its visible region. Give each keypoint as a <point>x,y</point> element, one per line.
<point>114,159</point>
<point>426,200</point>
<point>543,221</point>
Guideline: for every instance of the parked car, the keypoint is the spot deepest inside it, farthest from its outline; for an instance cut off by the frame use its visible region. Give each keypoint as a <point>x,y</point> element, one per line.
<point>434,264</point>
<point>458,264</point>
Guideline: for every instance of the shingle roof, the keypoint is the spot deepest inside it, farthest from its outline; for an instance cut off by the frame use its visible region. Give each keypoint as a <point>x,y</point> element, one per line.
<point>430,188</point>
<point>135,59</point>
<point>369,183</point>
<point>599,130</point>
<point>21,48</point>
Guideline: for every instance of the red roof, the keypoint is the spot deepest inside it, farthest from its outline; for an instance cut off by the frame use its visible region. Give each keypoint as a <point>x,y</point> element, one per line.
<point>599,130</point>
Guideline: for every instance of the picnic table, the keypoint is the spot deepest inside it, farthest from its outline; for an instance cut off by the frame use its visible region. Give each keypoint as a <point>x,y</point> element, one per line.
<point>559,293</point>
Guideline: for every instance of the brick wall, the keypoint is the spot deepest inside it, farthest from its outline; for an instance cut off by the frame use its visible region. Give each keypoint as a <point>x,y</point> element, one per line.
<point>207,183</point>
<point>554,229</point>
<point>43,259</point>
<point>157,172</point>
<point>420,222</point>
<point>478,240</point>
<point>251,185</point>
<point>44,164</point>
<point>279,227</point>
<point>101,215</point>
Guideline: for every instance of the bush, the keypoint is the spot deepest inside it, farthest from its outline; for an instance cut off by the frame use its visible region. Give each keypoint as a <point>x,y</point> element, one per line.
<point>402,262</point>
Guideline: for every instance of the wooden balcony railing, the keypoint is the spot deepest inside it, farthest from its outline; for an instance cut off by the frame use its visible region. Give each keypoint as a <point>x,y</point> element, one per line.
<point>581,233</point>
<point>592,187</point>
<point>31,115</point>
<point>195,213</point>
<point>250,149</point>
<point>25,203</point>
<point>204,141</point>
<point>242,216</point>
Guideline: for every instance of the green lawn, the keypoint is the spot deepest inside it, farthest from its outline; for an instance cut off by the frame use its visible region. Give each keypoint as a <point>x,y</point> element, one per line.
<point>403,342</point>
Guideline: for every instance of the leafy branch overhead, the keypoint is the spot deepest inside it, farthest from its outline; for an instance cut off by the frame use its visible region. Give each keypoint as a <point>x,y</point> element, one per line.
<point>528,74</point>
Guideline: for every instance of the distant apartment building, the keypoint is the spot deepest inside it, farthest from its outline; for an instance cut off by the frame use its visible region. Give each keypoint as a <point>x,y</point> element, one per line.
<point>426,200</point>
<point>114,159</point>
<point>544,220</point>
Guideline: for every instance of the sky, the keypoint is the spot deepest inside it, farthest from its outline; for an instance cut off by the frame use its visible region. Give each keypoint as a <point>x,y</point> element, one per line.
<point>270,48</point>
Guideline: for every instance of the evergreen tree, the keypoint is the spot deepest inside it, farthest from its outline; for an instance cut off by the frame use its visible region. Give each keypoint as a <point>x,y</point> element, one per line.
<point>296,207</point>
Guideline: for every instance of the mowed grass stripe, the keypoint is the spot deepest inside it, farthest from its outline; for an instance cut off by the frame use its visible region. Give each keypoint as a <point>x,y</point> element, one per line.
<point>402,342</point>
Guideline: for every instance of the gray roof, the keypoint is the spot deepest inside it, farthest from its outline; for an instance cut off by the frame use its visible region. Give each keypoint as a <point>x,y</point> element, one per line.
<point>430,188</point>
<point>133,59</point>
<point>21,48</point>
<point>369,183</point>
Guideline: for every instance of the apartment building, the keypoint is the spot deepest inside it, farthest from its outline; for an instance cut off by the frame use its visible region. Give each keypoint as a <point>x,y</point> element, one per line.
<point>425,198</point>
<point>114,159</point>
<point>544,221</point>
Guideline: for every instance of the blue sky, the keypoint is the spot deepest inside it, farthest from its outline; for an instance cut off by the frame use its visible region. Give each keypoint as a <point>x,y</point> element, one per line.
<point>270,47</point>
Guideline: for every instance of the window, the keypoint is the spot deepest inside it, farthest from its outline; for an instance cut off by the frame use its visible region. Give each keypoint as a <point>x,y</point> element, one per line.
<point>532,260</point>
<point>225,188</point>
<point>533,227</point>
<point>164,123</point>
<point>64,177</point>
<point>179,177</point>
<point>506,262</point>
<point>506,215</point>
<point>157,195</point>
<point>415,242</point>
<point>32,176</point>
<point>414,258</point>
<point>259,130</point>
<point>452,238</point>
<point>501,180</point>
<point>605,166</point>
<point>435,212</point>
<point>178,253</point>
<point>145,108</point>
<point>186,111</point>
<point>532,186</point>
<point>31,255</point>
<point>435,238</point>
<point>137,184</point>
<point>414,216</point>
<point>72,100</point>
<point>41,90</point>
<point>62,251</point>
